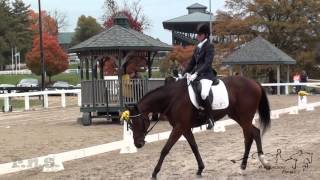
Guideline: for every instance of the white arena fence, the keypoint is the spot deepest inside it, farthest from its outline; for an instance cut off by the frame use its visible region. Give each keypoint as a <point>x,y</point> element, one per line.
<point>27,95</point>
<point>24,71</point>
<point>315,85</point>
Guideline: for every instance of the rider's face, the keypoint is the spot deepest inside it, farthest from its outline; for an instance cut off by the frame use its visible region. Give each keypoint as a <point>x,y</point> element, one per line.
<point>200,37</point>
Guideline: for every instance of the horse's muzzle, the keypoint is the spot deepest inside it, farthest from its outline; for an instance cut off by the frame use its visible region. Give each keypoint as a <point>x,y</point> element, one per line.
<point>139,144</point>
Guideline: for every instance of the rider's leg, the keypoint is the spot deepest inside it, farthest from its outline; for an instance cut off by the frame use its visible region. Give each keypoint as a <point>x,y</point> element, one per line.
<point>206,87</point>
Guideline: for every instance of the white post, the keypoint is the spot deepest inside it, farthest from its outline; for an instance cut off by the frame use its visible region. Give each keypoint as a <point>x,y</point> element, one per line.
<point>15,58</point>
<point>79,98</point>
<point>6,104</point>
<point>127,146</point>
<point>288,80</point>
<point>26,103</point>
<point>63,99</point>
<point>45,101</point>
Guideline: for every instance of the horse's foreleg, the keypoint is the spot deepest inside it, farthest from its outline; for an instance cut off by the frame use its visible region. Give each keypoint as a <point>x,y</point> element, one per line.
<point>173,138</point>
<point>257,138</point>
<point>190,138</point>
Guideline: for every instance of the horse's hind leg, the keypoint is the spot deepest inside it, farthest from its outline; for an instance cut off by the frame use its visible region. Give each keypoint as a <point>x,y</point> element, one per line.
<point>174,136</point>
<point>248,139</point>
<point>257,138</point>
<point>190,138</point>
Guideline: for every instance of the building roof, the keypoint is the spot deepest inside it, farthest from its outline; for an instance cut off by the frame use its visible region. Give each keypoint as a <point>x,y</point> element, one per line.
<point>120,38</point>
<point>65,37</point>
<point>196,6</point>
<point>187,23</point>
<point>258,51</point>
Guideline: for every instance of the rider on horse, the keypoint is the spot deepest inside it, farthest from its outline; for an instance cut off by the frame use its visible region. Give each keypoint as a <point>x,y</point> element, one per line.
<point>200,67</point>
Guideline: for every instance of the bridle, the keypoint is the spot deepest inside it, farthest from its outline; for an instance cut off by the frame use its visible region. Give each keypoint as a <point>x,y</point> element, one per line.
<point>130,123</point>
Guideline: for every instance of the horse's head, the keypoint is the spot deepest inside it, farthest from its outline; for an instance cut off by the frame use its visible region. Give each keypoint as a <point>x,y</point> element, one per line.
<point>139,124</point>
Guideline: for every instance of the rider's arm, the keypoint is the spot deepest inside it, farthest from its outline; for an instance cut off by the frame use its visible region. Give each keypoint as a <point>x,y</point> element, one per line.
<point>191,64</point>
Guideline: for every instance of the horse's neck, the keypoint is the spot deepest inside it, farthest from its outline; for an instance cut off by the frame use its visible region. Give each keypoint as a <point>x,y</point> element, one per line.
<point>157,101</point>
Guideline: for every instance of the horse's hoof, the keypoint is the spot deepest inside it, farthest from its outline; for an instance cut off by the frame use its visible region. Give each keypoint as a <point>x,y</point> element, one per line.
<point>267,166</point>
<point>153,178</point>
<point>243,166</point>
<point>241,172</point>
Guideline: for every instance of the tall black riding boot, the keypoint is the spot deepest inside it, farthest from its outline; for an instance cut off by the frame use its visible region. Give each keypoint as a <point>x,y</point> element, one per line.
<point>208,109</point>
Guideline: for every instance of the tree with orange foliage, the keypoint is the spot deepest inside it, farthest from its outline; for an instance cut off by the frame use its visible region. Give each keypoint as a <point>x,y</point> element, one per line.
<point>181,54</point>
<point>56,60</point>
<point>49,25</point>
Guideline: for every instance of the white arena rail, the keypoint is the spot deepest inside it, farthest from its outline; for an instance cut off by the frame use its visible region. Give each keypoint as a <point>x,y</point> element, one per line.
<point>310,84</point>
<point>45,94</point>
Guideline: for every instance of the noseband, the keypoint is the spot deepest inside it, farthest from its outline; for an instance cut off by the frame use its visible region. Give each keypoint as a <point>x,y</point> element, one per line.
<point>130,123</point>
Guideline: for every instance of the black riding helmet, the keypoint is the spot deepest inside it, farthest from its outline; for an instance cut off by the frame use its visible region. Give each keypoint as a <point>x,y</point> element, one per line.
<point>203,29</point>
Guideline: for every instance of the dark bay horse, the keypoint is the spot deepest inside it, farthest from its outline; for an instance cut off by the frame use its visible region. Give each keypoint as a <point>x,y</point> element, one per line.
<point>245,98</point>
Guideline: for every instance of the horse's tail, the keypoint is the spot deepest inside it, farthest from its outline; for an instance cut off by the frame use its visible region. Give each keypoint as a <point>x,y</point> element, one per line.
<point>264,111</point>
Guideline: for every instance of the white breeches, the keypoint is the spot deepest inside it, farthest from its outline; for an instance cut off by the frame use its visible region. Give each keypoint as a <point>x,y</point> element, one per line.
<point>205,88</point>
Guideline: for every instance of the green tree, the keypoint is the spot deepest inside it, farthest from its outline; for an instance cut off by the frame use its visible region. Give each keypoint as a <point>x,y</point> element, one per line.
<point>86,27</point>
<point>6,19</point>
<point>14,30</point>
<point>21,32</point>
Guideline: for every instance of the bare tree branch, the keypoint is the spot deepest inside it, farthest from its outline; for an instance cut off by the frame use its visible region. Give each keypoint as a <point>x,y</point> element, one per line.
<point>60,19</point>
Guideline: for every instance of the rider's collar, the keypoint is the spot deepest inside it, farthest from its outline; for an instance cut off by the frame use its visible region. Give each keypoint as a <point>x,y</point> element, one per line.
<point>201,43</point>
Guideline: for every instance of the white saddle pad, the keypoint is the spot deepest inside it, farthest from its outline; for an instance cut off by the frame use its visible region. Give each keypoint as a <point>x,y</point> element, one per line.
<point>220,96</point>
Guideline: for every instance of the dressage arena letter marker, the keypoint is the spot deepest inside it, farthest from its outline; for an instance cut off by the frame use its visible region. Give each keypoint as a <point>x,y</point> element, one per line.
<point>128,145</point>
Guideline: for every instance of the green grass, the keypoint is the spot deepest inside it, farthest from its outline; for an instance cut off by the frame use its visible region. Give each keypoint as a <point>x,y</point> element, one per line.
<point>71,78</point>
<point>19,103</point>
<point>14,79</point>
<point>73,66</point>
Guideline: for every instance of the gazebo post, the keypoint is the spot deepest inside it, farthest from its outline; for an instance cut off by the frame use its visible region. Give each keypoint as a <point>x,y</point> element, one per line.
<point>149,64</point>
<point>120,80</point>
<point>230,71</point>
<point>87,68</point>
<point>278,79</point>
<point>101,64</point>
<point>241,69</point>
<point>81,69</point>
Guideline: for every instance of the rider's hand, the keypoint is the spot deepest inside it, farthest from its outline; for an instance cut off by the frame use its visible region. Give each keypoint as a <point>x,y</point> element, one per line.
<point>193,76</point>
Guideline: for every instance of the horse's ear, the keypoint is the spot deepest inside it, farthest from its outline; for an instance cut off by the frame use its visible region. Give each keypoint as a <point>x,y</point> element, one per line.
<point>131,106</point>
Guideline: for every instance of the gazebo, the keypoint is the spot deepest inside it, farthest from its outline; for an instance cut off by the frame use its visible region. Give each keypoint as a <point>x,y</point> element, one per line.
<point>259,52</point>
<point>101,96</point>
<point>183,27</point>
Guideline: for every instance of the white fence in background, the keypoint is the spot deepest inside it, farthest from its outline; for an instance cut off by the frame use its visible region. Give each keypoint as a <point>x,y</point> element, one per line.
<point>315,85</point>
<point>45,94</point>
<point>27,71</point>
<point>24,71</point>
<point>78,92</point>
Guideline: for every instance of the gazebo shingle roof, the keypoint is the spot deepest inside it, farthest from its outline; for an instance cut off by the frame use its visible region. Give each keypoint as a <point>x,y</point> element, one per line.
<point>120,38</point>
<point>258,51</point>
<point>196,5</point>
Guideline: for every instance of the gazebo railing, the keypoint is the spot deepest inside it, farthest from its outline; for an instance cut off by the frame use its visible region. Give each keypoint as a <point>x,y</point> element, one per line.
<point>106,93</point>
